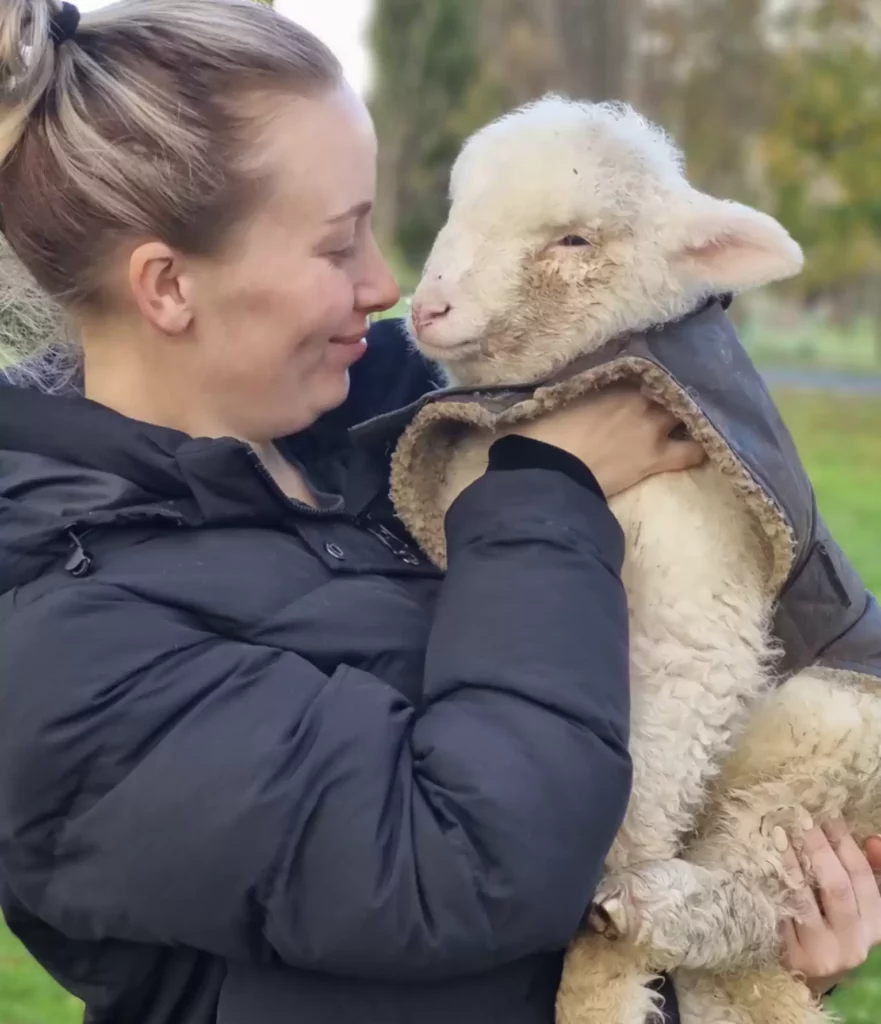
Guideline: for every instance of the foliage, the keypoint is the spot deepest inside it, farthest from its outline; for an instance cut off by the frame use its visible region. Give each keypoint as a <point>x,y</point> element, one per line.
<point>445,68</point>
<point>27,995</point>
<point>823,149</point>
<point>776,103</point>
<point>706,74</point>
<point>426,61</point>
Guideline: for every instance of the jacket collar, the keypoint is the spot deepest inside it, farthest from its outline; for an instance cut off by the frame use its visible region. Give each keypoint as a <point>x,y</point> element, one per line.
<point>68,464</point>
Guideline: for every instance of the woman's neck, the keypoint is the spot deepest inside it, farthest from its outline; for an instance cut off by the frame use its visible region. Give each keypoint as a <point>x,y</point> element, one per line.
<point>121,377</point>
<point>288,477</point>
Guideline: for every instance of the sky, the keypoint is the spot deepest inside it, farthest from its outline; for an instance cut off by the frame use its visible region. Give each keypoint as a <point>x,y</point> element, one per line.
<point>340,23</point>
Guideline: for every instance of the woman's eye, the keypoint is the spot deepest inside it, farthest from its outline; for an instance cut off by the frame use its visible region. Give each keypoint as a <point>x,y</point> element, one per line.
<point>570,241</point>
<point>343,255</point>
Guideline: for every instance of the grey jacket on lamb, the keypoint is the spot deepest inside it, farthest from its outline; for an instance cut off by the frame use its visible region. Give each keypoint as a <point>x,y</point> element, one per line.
<point>825,615</point>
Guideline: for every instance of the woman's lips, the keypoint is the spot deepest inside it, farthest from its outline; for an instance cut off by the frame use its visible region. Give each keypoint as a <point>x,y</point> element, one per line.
<point>352,339</point>
<point>351,348</point>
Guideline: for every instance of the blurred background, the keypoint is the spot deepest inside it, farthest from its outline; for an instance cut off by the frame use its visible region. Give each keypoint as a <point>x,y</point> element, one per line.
<point>776,103</point>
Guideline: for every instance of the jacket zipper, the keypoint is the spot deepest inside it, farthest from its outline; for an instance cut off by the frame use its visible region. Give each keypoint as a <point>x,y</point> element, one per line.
<point>80,563</point>
<point>385,536</point>
<point>833,576</point>
<point>300,506</point>
<point>393,543</point>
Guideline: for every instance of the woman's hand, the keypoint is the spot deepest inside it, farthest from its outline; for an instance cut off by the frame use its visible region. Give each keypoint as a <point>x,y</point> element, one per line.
<point>619,434</point>
<point>839,914</point>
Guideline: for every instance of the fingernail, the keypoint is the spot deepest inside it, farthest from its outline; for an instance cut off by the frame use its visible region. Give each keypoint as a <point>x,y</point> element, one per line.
<point>780,839</point>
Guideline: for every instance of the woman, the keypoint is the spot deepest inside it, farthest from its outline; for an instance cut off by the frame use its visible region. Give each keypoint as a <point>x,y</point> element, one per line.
<point>258,762</point>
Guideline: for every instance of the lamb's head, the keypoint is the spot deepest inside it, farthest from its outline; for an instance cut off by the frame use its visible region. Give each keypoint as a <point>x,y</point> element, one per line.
<point>571,223</point>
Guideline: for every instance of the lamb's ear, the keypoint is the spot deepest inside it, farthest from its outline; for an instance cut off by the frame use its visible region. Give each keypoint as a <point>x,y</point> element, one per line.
<point>722,246</point>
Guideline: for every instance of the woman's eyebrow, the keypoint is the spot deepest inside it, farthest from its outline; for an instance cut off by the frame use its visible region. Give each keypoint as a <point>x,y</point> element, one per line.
<point>359,210</point>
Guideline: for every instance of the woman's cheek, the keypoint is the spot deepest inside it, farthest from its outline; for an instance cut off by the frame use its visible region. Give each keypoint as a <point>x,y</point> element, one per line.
<point>338,299</point>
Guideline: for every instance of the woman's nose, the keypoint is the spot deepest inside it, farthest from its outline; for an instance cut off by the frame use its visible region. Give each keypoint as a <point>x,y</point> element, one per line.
<point>380,290</point>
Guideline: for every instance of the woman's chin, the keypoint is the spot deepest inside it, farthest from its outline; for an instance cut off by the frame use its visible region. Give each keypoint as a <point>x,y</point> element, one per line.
<point>329,392</point>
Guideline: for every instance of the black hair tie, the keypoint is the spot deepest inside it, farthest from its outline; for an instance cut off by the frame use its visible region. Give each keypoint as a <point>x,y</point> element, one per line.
<point>64,24</point>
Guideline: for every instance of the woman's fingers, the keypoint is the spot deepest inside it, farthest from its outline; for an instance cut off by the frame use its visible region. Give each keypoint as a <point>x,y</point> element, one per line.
<point>837,905</point>
<point>862,880</point>
<point>808,916</point>
<point>683,455</point>
<point>832,881</point>
<point>793,954</point>
<point>873,853</point>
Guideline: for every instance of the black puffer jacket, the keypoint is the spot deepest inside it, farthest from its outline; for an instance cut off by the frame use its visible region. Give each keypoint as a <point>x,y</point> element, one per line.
<point>260,764</point>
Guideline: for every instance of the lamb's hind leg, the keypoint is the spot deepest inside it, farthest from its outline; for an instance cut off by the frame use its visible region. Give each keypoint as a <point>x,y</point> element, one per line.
<point>768,997</point>
<point>831,762</point>
<point>812,750</point>
<point>604,983</point>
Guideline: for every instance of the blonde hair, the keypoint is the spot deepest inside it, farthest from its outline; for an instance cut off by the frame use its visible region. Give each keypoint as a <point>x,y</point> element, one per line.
<point>136,126</point>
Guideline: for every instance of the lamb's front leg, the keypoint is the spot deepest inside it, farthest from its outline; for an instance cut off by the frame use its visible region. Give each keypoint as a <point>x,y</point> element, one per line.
<point>699,648</point>
<point>683,914</point>
<point>720,904</point>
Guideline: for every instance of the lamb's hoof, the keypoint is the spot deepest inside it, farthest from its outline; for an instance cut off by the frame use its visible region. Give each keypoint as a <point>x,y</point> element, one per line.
<point>783,820</point>
<point>609,918</point>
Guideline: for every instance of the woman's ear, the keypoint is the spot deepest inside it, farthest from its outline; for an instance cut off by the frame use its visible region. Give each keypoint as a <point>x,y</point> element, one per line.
<point>722,246</point>
<point>160,287</point>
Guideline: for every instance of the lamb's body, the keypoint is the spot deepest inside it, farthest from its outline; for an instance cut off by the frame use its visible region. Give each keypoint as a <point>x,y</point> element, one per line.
<point>695,574</point>
<point>512,293</point>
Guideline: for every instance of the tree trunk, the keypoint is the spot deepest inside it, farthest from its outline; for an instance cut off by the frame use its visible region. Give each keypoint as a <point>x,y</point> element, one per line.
<point>876,318</point>
<point>597,46</point>
<point>395,130</point>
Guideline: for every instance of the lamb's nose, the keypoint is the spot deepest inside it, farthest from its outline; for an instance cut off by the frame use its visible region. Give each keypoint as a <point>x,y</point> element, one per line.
<point>426,313</point>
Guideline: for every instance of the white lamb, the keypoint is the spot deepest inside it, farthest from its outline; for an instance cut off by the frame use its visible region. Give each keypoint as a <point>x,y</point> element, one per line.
<point>572,225</point>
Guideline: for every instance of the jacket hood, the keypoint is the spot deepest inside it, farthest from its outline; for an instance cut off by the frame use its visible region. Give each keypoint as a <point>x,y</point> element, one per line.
<point>69,465</point>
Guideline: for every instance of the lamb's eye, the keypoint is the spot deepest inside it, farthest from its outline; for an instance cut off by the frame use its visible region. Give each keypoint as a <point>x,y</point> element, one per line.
<point>571,241</point>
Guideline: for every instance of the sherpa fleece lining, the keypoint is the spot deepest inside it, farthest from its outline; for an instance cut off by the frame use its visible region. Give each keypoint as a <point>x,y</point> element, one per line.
<point>420,460</point>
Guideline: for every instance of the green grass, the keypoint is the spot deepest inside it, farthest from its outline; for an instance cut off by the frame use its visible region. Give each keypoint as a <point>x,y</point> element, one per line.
<point>398,311</point>
<point>27,995</point>
<point>840,442</point>
<point>813,343</point>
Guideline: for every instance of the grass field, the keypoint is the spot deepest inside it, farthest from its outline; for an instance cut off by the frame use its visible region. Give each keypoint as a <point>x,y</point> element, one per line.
<point>840,440</point>
<point>814,343</point>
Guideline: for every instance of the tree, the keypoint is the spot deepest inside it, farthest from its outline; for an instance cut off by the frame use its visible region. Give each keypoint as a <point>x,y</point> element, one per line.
<point>595,43</point>
<point>707,73</point>
<point>822,152</point>
<point>425,56</point>
<point>446,67</point>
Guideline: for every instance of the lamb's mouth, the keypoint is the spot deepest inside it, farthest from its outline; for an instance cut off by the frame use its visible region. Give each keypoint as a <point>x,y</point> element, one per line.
<point>461,351</point>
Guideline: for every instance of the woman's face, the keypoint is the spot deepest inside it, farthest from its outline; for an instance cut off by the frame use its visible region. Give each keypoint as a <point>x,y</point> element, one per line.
<point>279,319</point>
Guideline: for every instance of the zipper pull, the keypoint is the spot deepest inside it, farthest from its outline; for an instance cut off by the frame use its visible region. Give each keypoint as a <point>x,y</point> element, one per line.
<point>393,543</point>
<point>80,562</point>
<point>832,574</point>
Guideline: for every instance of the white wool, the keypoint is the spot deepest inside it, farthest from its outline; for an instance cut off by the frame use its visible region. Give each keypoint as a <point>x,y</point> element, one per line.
<point>656,246</point>
<point>550,142</point>
<point>503,300</point>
